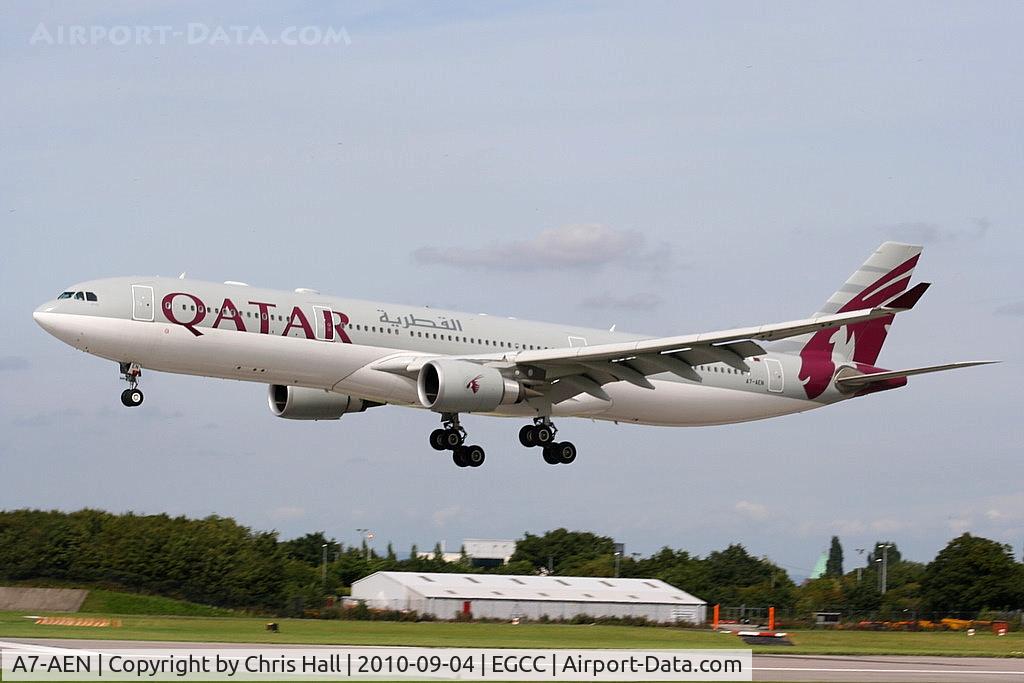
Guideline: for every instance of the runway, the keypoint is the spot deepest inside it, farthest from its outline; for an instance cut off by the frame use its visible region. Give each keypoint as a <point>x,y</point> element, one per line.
<point>890,669</point>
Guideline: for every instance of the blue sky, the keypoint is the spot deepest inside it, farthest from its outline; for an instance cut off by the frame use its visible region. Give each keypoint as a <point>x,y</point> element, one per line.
<point>741,158</point>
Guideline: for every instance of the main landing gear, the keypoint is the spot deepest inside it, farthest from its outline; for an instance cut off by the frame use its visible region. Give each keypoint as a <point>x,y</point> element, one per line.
<point>132,396</point>
<point>541,434</point>
<point>452,437</point>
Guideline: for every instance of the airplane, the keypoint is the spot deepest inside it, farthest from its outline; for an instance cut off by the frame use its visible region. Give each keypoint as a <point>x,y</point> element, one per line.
<point>324,357</point>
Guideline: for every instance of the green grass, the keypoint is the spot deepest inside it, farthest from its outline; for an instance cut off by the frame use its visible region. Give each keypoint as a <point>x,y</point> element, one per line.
<point>112,602</point>
<point>251,630</point>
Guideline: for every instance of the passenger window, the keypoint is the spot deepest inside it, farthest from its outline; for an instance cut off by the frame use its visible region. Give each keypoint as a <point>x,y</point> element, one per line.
<point>90,296</point>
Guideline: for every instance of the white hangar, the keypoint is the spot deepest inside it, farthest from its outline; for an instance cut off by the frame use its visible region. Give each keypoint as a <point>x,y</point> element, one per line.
<point>501,596</point>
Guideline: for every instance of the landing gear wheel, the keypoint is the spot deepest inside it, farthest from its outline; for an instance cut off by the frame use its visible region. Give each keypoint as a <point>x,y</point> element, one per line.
<point>543,435</point>
<point>452,438</point>
<point>551,456</point>
<point>473,455</point>
<point>526,436</point>
<point>459,457</point>
<point>437,440</point>
<point>565,451</point>
<point>131,397</point>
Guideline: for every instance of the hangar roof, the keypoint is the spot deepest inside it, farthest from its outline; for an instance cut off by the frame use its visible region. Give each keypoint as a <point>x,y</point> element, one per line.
<point>551,588</point>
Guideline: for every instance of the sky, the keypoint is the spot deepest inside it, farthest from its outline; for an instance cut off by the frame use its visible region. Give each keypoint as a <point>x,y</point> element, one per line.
<point>668,168</point>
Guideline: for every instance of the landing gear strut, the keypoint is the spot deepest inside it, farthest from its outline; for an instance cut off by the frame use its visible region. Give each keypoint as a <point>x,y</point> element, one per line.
<point>452,437</point>
<point>132,396</point>
<point>542,435</point>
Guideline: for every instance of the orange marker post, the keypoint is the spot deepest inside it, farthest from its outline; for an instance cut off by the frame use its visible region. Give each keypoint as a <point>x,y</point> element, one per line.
<point>714,623</point>
<point>771,618</point>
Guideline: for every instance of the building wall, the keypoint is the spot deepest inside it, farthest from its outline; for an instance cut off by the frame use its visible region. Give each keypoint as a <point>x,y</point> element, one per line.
<point>381,592</point>
<point>446,608</point>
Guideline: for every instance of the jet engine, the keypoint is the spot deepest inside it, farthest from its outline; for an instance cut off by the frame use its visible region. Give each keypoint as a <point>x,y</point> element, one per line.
<point>457,386</point>
<point>300,403</point>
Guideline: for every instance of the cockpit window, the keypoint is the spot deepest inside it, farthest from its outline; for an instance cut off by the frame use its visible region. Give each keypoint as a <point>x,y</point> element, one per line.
<point>90,296</point>
<point>66,295</point>
<point>80,296</point>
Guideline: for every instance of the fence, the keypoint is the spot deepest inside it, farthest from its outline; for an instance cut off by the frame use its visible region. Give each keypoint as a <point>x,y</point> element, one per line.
<point>902,619</point>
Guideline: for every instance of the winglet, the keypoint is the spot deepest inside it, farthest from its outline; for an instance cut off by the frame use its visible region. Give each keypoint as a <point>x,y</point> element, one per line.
<point>909,298</point>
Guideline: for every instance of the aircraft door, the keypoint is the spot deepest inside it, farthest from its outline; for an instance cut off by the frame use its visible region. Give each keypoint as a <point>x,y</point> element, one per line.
<point>576,341</point>
<point>776,380</point>
<point>142,303</point>
<point>323,322</point>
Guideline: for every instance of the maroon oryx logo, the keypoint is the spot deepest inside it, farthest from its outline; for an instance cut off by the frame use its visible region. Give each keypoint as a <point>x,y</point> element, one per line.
<point>474,384</point>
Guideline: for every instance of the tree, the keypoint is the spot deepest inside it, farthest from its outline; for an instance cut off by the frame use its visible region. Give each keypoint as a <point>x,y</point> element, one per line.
<point>309,548</point>
<point>973,573</point>
<point>735,577</point>
<point>391,553</point>
<point>564,548</point>
<point>834,566</point>
<point>892,555</point>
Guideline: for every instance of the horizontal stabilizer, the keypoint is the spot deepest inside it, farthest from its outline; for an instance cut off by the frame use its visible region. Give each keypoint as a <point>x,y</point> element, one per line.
<point>909,298</point>
<point>856,381</point>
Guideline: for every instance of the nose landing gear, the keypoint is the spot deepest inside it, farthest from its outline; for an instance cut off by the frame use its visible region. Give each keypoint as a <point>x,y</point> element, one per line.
<point>132,396</point>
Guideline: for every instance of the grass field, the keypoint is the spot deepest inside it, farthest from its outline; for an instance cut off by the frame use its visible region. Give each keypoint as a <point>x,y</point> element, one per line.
<point>251,630</point>
<point>112,602</point>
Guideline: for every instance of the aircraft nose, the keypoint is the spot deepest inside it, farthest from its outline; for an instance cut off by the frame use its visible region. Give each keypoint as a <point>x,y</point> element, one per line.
<point>45,317</point>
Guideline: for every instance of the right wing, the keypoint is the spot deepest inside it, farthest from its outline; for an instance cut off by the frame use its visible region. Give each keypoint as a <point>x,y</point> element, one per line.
<point>560,374</point>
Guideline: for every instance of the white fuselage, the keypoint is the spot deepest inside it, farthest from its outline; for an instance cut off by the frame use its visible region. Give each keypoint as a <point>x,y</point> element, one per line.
<point>305,339</point>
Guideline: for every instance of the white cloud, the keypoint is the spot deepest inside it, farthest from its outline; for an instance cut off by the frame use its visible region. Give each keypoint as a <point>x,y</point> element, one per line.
<point>11,363</point>
<point>640,301</point>
<point>888,525</point>
<point>932,233</point>
<point>751,510</point>
<point>1015,308</point>
<point>849,527</point>
<point>287,512</point>
<point>958,525</point>
<point>578,245</point>
<point>444,515</point>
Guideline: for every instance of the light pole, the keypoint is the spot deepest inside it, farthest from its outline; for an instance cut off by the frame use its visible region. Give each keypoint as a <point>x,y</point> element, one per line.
<point>860,570</point>
<point>885,567</point>
<point>367,537</point>
<point>620,549</point>
<point>323,568</point>
<point>883,574</point>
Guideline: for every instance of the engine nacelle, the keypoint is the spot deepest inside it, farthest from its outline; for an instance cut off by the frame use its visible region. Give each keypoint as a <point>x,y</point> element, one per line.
<point>458,386</point>
<point>300,403</point>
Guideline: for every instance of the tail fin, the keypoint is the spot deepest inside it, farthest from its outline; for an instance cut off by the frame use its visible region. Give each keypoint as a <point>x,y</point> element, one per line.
<point>882,277</point>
